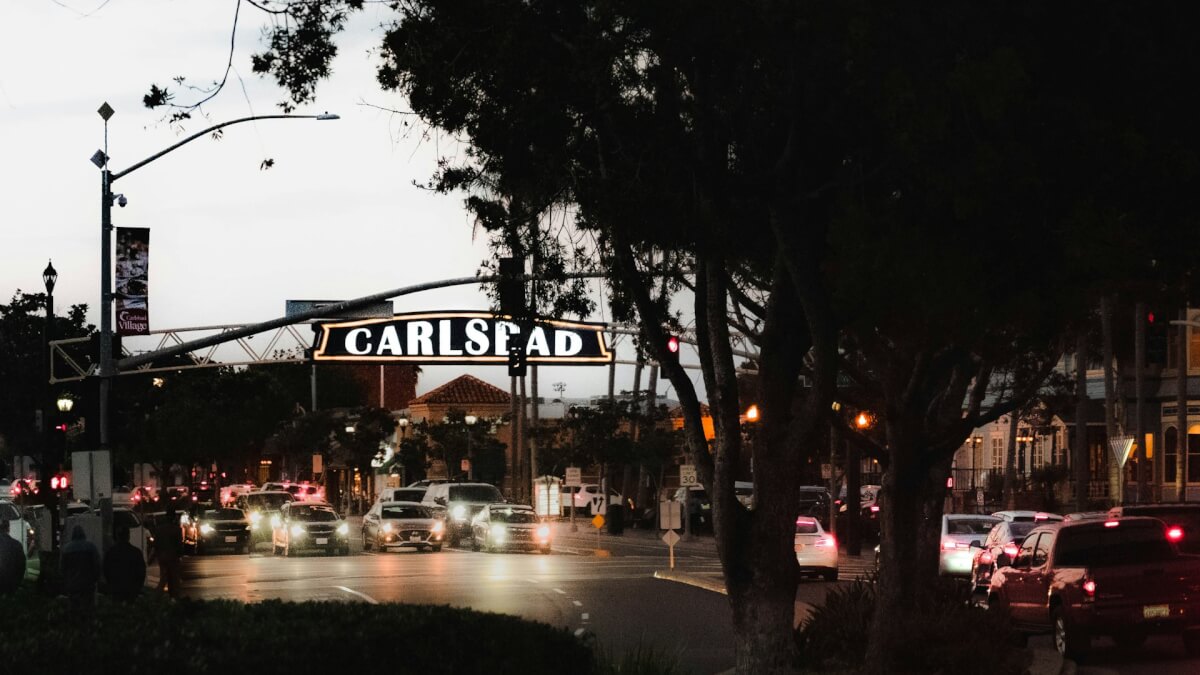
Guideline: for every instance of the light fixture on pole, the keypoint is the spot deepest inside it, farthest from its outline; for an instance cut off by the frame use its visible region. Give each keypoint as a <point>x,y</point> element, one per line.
<point>65,403</point>
<point>107,178</point>
<point>49,455</point>
<point>470,420</point>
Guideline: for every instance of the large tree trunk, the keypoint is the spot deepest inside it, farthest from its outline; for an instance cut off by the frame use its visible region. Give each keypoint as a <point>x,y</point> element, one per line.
<point>1080,461</point>
<point>1010,464</point>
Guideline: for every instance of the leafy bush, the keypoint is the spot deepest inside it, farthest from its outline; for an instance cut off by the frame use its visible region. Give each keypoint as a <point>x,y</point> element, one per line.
<point>641,660</point>
<point>154,635</point>
<point>942,634</point>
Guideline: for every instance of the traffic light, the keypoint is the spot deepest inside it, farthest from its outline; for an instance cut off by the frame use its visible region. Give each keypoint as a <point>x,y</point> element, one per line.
<point>516,361</point>
<point>59,482</point>
<point>512,287</point>
<point>672,348</point>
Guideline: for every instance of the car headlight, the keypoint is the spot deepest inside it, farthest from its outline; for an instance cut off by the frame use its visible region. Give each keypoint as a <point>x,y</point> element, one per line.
<point>343,529</point>
<point>498,532</point>
<point>275,520</point>
<point>438,527</point>
<point>297,531</point>
<point>387,527</point>
<point>206,529</point>
<point>459,512</point>
<point>255,518</point>
<point>543,532</point>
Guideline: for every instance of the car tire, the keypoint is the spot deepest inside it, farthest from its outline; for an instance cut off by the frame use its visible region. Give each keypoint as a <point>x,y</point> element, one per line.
<point>829,575</point>
<point>1070,641</point>
<point>474,543</point>
<point>241,550</point>
<point>545,550</point>
<point>436,548</point>
<point>454,540</point>
<point>345,550</point>
<point>366,542</point>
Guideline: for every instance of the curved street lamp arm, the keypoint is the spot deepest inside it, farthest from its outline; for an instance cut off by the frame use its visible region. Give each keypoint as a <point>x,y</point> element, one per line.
<point>207,131</point>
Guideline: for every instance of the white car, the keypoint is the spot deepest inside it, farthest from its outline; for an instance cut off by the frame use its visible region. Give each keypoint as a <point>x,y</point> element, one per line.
<point>816,549</point>
<point>1028,516</point>
<point>230,493</point>
<point>399,524</point>
<point>961,531</point>
<point>587,498</point>
<point>18,527</point>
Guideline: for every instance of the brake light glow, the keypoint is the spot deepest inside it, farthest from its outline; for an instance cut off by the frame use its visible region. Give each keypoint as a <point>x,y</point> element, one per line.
<point>874,509</point>
<point>949,545</point>
<point>827,540</point>
<point>1174,533</point>
<point>1040,516</point>
<point>1112,523</point>
<point>985,557</point>
<point>1011,550</point>
<point>1089,588</point>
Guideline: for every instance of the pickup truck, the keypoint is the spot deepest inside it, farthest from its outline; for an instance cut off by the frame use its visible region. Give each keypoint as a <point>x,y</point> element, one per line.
<point>1121,577</point>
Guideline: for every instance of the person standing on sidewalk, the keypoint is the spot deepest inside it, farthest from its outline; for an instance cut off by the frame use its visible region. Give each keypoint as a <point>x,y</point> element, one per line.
<point>12,561</point>
<point>168,544</point>
<point>80,562</point>
<point>124,569</point>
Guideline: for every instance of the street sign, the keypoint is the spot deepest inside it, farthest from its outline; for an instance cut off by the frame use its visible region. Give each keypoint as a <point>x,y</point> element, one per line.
<point>465,465</point>
<point>598,521</point>
<point>671,538</point>
<point>670,515</point>
<point>687,475</point>
<point>574,475</point>
<point>317,464</point>
<point>1121,448</point>
<point>438,469</point>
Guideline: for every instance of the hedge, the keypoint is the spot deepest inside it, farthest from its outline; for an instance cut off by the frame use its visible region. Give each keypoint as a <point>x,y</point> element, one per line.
<point>156,635</point>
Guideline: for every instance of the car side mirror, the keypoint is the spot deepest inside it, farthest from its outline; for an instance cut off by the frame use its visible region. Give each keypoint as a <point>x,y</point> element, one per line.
<point>440,500</point>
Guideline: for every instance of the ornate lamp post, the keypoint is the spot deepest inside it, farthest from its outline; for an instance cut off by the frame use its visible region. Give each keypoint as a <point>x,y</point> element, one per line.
<point>49,497</point>
<point>470,420</point>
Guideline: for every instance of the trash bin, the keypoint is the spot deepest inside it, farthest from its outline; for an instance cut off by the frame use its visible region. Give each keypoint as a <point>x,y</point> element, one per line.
<point>615,518</point>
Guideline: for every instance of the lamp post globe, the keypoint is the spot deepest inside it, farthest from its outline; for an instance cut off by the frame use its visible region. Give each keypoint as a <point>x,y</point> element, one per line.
<point>65,403</point>
<point>50,277</point>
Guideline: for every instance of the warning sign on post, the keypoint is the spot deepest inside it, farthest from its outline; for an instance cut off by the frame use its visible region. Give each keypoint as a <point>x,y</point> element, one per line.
<point>687,475</point>
<point>574,476</point>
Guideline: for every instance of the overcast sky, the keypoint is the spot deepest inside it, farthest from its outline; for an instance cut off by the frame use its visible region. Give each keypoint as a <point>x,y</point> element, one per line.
<point>337,217</point>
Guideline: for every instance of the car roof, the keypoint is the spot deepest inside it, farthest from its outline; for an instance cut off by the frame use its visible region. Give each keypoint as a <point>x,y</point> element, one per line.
<point>403,502</point>
<point>970,516</point>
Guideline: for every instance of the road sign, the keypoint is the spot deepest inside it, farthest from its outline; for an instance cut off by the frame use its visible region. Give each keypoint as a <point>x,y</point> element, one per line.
<point>670,515</point>
<point>687,475</point>
<point>671,538</point>
<point>465,465</point>
<point>1121,447</point>
<point>574,475</point>
<point>598,521</point>
<point>979,495</point>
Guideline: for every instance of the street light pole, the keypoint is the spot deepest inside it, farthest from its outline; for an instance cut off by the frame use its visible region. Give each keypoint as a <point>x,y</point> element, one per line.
<point>49,278</point>
<point>107,178</point>
<point>470,420</point>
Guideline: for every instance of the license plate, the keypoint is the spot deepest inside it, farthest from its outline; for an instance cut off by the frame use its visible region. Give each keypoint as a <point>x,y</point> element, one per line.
<point>1156,611</point>
<point>415,537</point>
<point>230,540</point>
<point>322,540</point>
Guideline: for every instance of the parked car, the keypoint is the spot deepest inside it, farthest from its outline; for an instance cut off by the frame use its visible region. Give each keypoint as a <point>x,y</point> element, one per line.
<point>1027,516</point>
<point>814,502</point>
<point>402,524</point>
<point>1085,515</point>
<point>306,492</point>
<point>999,550</point>
<point>426,482</point>
<point>459,502</point>
<point>19,527</point>
<point>230,493</point>
<point>1182,520</point>
<point>263,510</point>
<point>402,494</point>
<point>697,506</point>
<point>501,526</point>
<point>214,528</point>
<point>816,549</point>
<point>961,532</point>
<point>587,499</point>
<point>1122,577</point>
<point>309,526</point>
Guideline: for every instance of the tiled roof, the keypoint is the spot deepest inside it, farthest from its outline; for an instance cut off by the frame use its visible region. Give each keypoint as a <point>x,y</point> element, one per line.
<point>464,389</point>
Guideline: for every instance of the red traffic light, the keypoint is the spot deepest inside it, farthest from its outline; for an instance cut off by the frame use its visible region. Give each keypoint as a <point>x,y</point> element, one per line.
<point>1150,317</point>
<point>673,344</point>
<point>58,482</point>
<point>61,427</point>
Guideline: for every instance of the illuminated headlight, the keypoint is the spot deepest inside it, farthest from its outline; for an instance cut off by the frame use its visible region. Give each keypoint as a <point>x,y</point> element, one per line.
<point>275,521</point>
<point>387,527</point>
<point>206,529</point>
<point>498,532</point>
<point>297,531</point>
<point>343,529</point>
<point>543,532</point>
<point>437,528</point>
<point>459,512</point>
<point>255,518</point>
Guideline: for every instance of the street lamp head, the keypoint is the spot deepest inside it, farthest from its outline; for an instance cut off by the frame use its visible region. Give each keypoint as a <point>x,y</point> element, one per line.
<point>752,413</point>
<point>863,421</point>
<point>49,277</point>
<point>349,429</point>
<point>65,403</point>
<point>470,419</point>
<point>328,116</point>
<point>402,422</point>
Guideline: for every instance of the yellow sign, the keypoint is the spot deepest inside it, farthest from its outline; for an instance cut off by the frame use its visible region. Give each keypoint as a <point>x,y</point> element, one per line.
<point>598,521</point>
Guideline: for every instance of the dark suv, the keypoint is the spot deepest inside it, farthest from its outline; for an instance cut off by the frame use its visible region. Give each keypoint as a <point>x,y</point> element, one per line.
<point>1183,521</point>
<point>458,503</point>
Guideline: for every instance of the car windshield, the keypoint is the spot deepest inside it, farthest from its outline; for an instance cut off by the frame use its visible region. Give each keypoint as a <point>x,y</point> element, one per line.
<point>969,526</point>
<point>9,512</point>
<point>475,493</point>
<point>514,516</point>
<point>1126,544</point>
<point>224,514</point>
<point>806,526</point>
<point>405,512</point>
<point>269,501</point>
<point>312,513</point>
<point>1018,531</point>
<point>409,495</point>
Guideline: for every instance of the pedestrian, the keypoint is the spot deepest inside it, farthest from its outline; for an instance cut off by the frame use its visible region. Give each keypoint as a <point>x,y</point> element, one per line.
<point>124,568</point>
<point>12,561</point>
<point>168,545</point>
<point>80,563</point>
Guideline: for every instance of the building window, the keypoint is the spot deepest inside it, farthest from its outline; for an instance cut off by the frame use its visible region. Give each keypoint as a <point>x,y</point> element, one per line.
<point>1039,452</point>
<point>1193,454</point>
<point>1170,451</point>
<point>1060,449</point>
<point>998,453</point>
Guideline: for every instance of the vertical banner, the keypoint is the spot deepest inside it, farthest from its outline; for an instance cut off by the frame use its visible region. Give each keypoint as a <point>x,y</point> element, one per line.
<point>132,287</point>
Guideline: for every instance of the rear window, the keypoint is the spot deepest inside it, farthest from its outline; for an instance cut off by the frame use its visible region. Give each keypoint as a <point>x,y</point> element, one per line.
<point>1018,530</point>
<point>405,512</point>
<point>1126,544</point>
<point>969,526</point>
<point>475,493</point>
<point>806,526</point>
<point>1185,518</point>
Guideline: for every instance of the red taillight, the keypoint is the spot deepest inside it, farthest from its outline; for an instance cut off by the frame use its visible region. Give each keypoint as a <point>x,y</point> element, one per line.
<point>827,540</point>
<point>1011,550</point>
<point>874,509</point>
<point>1089,589</point>
<point>1112,523</point>
<point>1174,533</point>
<point>949,545</point>
<point>985,557</point>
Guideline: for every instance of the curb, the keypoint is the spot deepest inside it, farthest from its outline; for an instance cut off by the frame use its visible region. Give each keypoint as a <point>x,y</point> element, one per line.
<point>692,580</point>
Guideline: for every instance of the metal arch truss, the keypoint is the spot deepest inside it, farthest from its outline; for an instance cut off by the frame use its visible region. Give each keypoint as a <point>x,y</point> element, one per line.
<point>286,344</point>
<point>72,362</point>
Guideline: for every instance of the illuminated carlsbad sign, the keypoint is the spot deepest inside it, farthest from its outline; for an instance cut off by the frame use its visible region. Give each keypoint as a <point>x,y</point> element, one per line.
<point>460,337</point>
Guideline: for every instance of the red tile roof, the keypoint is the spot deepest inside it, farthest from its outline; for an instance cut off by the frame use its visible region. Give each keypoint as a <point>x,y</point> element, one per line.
<point>464,389</point>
